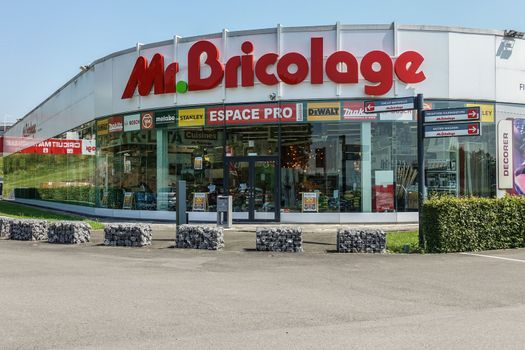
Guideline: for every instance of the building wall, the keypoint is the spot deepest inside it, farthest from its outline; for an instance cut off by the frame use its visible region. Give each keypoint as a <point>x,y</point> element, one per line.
<point>463,67</point>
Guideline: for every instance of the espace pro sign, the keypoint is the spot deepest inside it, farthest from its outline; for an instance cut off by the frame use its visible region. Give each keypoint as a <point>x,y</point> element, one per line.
<point>206,69</point>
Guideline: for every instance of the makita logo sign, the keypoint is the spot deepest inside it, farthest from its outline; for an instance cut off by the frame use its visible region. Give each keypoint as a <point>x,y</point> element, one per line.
<point>342,67</point>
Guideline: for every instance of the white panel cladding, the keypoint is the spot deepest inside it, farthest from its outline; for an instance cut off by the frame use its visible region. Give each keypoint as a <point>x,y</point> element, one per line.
<point>434,47</point>
<point>510,70</point>
<point>121,67</point>
<point>151,101</point>
<point>472,72</point>
<point>359,43</point>
<point>103,76</point>
<point>263,43</point>
<point>510,85</point>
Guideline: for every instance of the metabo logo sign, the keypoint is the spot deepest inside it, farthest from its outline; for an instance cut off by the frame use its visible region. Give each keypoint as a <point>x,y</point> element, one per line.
<point>163,119</point>
<point>376,67</point>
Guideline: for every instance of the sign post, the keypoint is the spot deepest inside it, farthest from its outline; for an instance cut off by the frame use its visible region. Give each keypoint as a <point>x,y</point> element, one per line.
<point>421,189</point>
<point>390,105</point>
<point>452,129</point>
<point>181,203</point>
<point>466,114</point>
<point>450,122</point>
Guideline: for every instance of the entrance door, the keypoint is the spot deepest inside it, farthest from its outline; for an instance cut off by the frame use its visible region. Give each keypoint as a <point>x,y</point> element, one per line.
<point>252,183</point>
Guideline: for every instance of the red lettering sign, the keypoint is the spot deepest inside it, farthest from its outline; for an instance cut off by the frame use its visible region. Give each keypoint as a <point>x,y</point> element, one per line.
<point>61,146</point>
<point>377,67</point>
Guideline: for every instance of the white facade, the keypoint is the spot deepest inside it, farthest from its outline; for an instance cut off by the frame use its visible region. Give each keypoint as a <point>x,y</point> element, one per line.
<point>458,63</point>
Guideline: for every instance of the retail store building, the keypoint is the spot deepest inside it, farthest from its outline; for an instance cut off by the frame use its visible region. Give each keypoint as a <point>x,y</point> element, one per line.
<point>274,117</point>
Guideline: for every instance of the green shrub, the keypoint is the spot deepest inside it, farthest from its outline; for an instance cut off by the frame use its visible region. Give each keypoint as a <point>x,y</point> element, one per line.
<point>452,224</point>
<point>74,194</point>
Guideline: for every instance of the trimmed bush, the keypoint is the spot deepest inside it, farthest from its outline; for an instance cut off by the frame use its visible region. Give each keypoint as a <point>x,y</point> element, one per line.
<point>83,195</point>
<point>452,224</point>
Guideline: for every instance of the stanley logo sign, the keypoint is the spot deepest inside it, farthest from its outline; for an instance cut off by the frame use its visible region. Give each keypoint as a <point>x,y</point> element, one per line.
<point>324,111</point>
<point>191,117</point>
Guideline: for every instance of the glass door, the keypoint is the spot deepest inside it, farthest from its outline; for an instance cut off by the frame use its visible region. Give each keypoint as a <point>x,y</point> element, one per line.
<point>252,183</point>
<point>238,186</point>
<point>264,189</point>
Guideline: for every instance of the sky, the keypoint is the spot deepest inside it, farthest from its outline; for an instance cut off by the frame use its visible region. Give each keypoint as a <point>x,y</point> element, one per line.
<point>43,43</point>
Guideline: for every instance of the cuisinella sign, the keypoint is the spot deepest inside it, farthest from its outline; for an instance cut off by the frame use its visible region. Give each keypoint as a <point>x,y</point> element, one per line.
<point>376,67</point>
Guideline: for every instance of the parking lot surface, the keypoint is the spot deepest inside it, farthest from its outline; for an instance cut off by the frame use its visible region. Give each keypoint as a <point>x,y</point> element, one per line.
<point>97,297</point>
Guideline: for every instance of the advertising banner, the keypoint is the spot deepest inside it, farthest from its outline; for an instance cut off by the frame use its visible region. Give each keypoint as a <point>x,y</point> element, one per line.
<point>487,111</point>
<point>356,111</point>
<point>518,155</point>
<point>102,126</point>
<point>57,146</point>
<point>165,118</point>
<point>383,198</point>
<point>15,144</point>
<point>384,190</point>
<point>253,114</point>
<point>127,203</point>
<point>146,120</point>
<point>192,117</point>
<point>505,155</point>
<point>197,163</point>
<point>115,124</point>
<point>89,147</point>
<point>323,111</point>
<point>309,202</point>
<point>199,201</point>
<point>132,122</point>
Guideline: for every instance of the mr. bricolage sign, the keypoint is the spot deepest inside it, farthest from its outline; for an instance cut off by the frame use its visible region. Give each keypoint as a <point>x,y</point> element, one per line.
<point>376,67</point>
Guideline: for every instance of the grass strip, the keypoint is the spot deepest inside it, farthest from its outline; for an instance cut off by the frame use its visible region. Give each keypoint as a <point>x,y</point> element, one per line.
<point>399,241</point>
<point>19,211</point>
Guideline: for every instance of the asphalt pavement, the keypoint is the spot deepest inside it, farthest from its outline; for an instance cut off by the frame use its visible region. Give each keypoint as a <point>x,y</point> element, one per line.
<point>96,297</point>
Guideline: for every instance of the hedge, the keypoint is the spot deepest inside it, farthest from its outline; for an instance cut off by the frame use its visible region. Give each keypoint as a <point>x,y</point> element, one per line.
<point>84,194</point>
<point>452,224</point>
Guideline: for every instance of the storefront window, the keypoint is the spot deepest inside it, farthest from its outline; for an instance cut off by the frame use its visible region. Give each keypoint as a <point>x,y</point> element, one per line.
<point>252,140</point>
<point>324,159</point>
<point>126,170</point>
<point>463,166</point>
<point>59,169</point>
<point>196,156</point>
<point>358,164</point>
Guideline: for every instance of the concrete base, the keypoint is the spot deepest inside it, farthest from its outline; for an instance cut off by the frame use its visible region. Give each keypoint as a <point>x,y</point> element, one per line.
<point>325,218</point>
